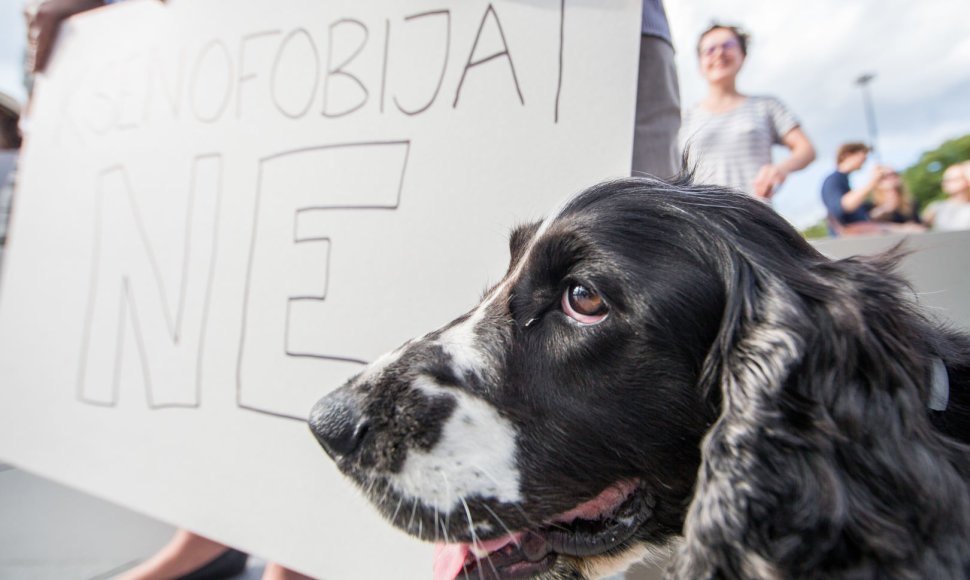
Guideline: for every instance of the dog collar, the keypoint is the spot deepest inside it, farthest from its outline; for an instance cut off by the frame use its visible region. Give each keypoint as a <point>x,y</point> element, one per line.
<point>939,386</point>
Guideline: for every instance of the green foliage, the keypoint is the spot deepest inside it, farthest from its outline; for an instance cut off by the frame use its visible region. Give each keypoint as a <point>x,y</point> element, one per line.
<point>819,230</point>
<point>924,178</point>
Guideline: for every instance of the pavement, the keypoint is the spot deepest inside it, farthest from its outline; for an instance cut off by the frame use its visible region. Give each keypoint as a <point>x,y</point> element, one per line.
<point>52,532</point>
<point>49,531</point>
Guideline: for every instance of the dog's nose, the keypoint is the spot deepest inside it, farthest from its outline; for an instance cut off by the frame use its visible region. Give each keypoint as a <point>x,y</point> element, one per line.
<point>339,424</point>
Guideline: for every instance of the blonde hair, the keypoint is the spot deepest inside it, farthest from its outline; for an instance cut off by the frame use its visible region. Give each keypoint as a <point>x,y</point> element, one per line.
<point>907,205</point>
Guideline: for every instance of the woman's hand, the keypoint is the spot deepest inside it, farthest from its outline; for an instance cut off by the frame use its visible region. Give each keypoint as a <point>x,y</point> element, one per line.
<point>770,177</point>
<point>768,180</point>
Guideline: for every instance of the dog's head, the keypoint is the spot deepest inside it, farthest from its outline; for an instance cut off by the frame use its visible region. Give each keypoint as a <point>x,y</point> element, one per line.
<point>555,430</point>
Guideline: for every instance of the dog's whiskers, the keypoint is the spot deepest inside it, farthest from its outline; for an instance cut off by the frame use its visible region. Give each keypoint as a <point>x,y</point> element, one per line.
<point>498,520</point>
<point>400,502</point>
<point>447,521</point>
<point>474,536</point>
<point>414,510</point>
<point>444,530</point>
<point>436,525</point>
<point>529,521</point>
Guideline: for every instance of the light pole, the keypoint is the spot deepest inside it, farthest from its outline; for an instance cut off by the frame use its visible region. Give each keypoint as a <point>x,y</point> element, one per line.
<point>863,82</point>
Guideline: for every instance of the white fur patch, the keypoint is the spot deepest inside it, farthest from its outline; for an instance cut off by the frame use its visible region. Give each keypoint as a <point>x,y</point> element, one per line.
<point>475,457</point>
<point>460,343</point>
<point>374,369</point>
<point>514,275</point>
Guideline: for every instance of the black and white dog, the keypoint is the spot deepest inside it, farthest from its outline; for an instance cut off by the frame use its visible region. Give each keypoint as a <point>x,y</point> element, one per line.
<point>671,367</point>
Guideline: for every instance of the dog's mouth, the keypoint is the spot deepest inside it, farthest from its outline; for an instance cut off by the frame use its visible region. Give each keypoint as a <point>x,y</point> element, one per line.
<point>601,525</point>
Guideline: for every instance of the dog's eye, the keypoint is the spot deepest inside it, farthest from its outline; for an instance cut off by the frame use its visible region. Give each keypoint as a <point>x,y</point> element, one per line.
<point>583,305</point>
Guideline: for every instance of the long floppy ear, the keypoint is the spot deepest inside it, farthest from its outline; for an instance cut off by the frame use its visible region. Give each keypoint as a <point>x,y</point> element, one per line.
<point>823,446</point>
<point>756,341</point>
<point>746,363</point>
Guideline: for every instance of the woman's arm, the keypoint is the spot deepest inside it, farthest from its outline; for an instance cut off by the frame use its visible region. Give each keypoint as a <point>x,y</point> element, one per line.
<point>770,177</point>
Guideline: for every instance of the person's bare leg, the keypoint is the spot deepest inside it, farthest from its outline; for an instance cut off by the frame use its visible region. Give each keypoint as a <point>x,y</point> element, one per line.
<point>274,571</point>
<point>184,553</point>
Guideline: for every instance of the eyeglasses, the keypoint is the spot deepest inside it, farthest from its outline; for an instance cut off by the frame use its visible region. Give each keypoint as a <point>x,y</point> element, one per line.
<point>724,46</point>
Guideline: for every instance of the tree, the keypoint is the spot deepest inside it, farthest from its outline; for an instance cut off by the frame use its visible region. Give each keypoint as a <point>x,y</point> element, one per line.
<point>817,231</point>
<point>924,178</point>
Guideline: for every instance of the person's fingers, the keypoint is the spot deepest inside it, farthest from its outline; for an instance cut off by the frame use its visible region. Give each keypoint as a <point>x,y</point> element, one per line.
<point>43,27</point>
<point>42,39</point>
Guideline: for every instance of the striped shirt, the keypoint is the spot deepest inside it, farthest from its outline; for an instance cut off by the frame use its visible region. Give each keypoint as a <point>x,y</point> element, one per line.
<point>730,148</point>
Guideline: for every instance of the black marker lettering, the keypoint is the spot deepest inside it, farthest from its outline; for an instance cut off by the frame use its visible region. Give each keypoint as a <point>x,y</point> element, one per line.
<point>444,64</point>
<point>125,266</point>
<point>243,76</point>
<point>156,74</point>
<point>562,31</point>
<point>339,71</point>
<point>387,42</point>
<point>131,70</point>
<point>299,112</point>
<point>103,111</point>
<point>473,63</point>
<point>220,108</point>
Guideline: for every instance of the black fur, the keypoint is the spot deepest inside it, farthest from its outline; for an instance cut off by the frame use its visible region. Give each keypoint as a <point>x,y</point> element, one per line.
<point>770,403</point>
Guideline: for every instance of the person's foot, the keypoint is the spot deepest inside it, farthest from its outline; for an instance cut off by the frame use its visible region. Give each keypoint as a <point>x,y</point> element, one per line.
<point>189,556</point>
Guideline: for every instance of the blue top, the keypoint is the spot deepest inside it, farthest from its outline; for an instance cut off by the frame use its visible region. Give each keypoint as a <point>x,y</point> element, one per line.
<point>654,20</point>
<point>833,188</point>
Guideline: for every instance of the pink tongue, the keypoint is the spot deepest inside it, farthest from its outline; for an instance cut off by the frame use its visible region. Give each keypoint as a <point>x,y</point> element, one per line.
<point>449,559</point>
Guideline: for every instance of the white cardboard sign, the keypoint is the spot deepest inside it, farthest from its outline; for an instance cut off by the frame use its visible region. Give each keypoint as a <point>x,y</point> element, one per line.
<point>226,208</point>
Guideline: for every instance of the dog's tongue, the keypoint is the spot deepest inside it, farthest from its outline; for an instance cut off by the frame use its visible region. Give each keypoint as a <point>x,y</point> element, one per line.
<point>449,559</point>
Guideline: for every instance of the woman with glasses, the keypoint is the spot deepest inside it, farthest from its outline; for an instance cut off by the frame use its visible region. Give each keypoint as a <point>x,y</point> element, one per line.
<point>728,135</point>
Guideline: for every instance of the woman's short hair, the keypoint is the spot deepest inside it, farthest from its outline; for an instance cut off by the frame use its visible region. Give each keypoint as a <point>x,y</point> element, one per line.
<point>849,149</point>
<point>739,33</point>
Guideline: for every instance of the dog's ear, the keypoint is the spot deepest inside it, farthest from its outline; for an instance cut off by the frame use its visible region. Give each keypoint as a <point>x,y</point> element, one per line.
<point>759,335</point>
<point>519,240</point>
<point>822,372</point>
<point>818,325</point>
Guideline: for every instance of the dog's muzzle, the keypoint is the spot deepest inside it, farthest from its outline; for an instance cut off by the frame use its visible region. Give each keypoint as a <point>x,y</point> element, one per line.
<point>339,424</point>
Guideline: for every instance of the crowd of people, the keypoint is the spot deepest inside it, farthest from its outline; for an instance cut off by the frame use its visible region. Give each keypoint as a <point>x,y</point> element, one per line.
<point>883,204</point>
<point>728,137</point>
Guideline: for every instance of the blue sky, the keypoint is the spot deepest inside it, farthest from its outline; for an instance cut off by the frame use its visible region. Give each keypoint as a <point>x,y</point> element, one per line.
<point>806,53</point>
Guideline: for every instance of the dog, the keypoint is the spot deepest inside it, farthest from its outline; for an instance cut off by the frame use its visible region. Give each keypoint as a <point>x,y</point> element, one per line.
<point>670,368</point>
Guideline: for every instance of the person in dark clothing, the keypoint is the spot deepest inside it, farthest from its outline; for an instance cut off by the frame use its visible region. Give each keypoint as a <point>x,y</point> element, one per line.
<point>848,208</point>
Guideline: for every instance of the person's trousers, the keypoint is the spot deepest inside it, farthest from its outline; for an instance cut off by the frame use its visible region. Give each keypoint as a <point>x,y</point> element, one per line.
<point>655,149</point>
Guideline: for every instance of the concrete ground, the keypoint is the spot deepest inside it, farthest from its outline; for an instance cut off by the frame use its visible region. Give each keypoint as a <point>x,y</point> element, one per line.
<point>52,532</point>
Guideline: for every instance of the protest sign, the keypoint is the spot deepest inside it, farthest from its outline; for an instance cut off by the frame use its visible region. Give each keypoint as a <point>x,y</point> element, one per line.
<point>226,209</point>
